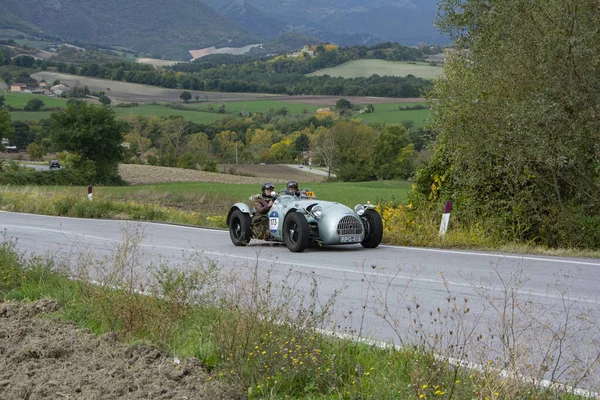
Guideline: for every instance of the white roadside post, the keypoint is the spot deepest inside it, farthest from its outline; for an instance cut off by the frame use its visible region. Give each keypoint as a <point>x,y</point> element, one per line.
<point>445,218</point>
<point>90,193</point>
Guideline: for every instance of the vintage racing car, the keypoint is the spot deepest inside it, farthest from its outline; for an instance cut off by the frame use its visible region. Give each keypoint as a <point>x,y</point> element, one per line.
<point>299,222</point>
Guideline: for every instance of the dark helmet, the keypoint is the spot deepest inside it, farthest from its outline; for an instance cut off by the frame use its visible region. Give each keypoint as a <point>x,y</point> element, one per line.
<point>292,184</point>
<point>267,186</point>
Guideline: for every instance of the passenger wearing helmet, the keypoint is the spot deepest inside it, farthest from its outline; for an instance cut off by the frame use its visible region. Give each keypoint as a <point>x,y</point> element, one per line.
<point>263,204</point>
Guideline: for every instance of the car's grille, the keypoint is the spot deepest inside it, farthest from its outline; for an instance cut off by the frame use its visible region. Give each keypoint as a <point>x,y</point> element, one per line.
<point>349,225</point>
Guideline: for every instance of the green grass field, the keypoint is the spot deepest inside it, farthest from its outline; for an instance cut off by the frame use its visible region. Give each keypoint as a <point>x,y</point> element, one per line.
<point>390,114</point>
<point>19,100</point>
<point>256,106</point>
<point>366,68</point>
<point>162,111</point>
<point>349,193</point>
<point>384,113</point>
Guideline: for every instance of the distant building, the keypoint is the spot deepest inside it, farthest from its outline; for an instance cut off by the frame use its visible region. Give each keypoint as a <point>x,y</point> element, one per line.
<point>43,85</point>
<point>18,87</point>
<point>59,89</point>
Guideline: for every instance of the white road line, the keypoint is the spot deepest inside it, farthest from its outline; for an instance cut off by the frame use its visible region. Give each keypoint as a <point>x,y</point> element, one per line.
<point>513,257</point>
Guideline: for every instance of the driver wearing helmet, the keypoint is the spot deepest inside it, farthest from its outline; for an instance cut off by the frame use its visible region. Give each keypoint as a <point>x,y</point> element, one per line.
<point>263,204</point>
<point>292,190</point>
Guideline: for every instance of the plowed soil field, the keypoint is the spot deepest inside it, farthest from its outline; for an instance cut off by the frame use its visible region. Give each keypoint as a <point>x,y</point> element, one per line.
<point>45,358</point>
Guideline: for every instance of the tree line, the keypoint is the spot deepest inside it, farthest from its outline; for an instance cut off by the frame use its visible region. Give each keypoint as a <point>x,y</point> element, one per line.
<point>351,149</point>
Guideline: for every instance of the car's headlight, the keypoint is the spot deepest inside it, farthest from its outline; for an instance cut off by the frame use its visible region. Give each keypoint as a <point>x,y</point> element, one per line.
<point>317,211</point>
<point>359,209</point>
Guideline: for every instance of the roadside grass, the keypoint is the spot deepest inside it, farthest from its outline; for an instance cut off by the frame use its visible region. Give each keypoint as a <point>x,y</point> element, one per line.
<point>189,203</point>
<point>367,68</point>
<point>258,334</point>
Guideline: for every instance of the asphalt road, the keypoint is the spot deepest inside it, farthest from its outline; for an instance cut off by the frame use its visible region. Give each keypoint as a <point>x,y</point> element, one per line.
<point>391,293</point>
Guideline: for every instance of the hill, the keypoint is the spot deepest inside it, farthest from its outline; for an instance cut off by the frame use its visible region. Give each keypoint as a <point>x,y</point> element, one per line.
<point>405,21</point>
<point>253,20</point>
<point>167,30</point>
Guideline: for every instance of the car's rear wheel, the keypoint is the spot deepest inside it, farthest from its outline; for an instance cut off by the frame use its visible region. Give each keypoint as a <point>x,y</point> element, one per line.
<point>373,229</point>
<point>239,228</point>
<point>296,232</point>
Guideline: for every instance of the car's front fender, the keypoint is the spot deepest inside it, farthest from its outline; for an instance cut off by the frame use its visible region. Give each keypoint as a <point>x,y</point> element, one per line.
<point>243,207</point>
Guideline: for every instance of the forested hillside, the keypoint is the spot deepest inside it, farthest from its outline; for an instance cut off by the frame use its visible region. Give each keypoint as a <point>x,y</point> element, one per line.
<point>167,29</point>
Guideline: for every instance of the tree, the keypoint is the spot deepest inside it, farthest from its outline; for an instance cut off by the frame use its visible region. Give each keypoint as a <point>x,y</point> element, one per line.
<point>186,96</point>
<point>36,151</point>
<point>302,143</point>
<point>517,119</point>
<point>324,148</point>
<point>342,105</point>
<point>6,129</point>
<point>393,153</point>
<point>22,134</point>
<point>104,100</point>
<point>353,150</point>
<point>94,133</point>
<point>2,99</point>
<point>24,61</point>
<point>34,105</point>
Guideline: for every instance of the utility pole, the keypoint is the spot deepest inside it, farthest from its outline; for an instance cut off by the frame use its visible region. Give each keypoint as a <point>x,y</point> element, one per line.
<point>236,158</point>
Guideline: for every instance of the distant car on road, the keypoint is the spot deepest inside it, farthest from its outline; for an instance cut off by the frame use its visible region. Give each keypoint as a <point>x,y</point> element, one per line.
<point>300,166</point>
<point>54,164</point>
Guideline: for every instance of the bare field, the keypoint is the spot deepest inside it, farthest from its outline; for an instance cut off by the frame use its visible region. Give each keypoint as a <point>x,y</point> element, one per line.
<point>134,92</point>
<point>274,172</point>
<point>148,174</point>
<point>331,100</point>
<point>157,62</point>
<point>196,54</point>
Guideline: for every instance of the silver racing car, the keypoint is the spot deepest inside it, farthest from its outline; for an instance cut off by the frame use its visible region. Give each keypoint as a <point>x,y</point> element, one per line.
<point>299,222</point>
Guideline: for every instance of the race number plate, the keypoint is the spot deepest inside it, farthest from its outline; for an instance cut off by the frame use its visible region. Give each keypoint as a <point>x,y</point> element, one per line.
<point>350,239</point>
<point>274,221</point>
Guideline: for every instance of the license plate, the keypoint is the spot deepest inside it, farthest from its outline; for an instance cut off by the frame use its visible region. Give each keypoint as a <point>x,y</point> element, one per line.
<point>350,239</point>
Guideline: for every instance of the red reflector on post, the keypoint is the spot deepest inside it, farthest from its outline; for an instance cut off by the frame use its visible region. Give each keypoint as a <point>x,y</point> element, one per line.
<point>90,189</point>
<point>448,207</point>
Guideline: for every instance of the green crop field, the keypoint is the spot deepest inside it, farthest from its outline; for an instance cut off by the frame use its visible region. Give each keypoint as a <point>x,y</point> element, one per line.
<point>163,111</point>
<point>256,106</point>
<point>390,114</point>
<point>366,68</point>
<point>384,113</point>
<point>29,115</point>
<point>19,100</point>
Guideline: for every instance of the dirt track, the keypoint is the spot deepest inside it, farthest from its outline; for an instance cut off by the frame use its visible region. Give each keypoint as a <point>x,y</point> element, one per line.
<point>44,358</point>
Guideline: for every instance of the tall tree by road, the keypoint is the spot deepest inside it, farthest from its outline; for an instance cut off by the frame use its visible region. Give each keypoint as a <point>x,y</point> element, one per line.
<point>94,133</point>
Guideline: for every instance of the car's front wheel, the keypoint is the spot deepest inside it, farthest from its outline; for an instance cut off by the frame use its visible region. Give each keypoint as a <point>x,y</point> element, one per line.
<point>296,232</point>
<point>239,228</point>
<point>373,229</point>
